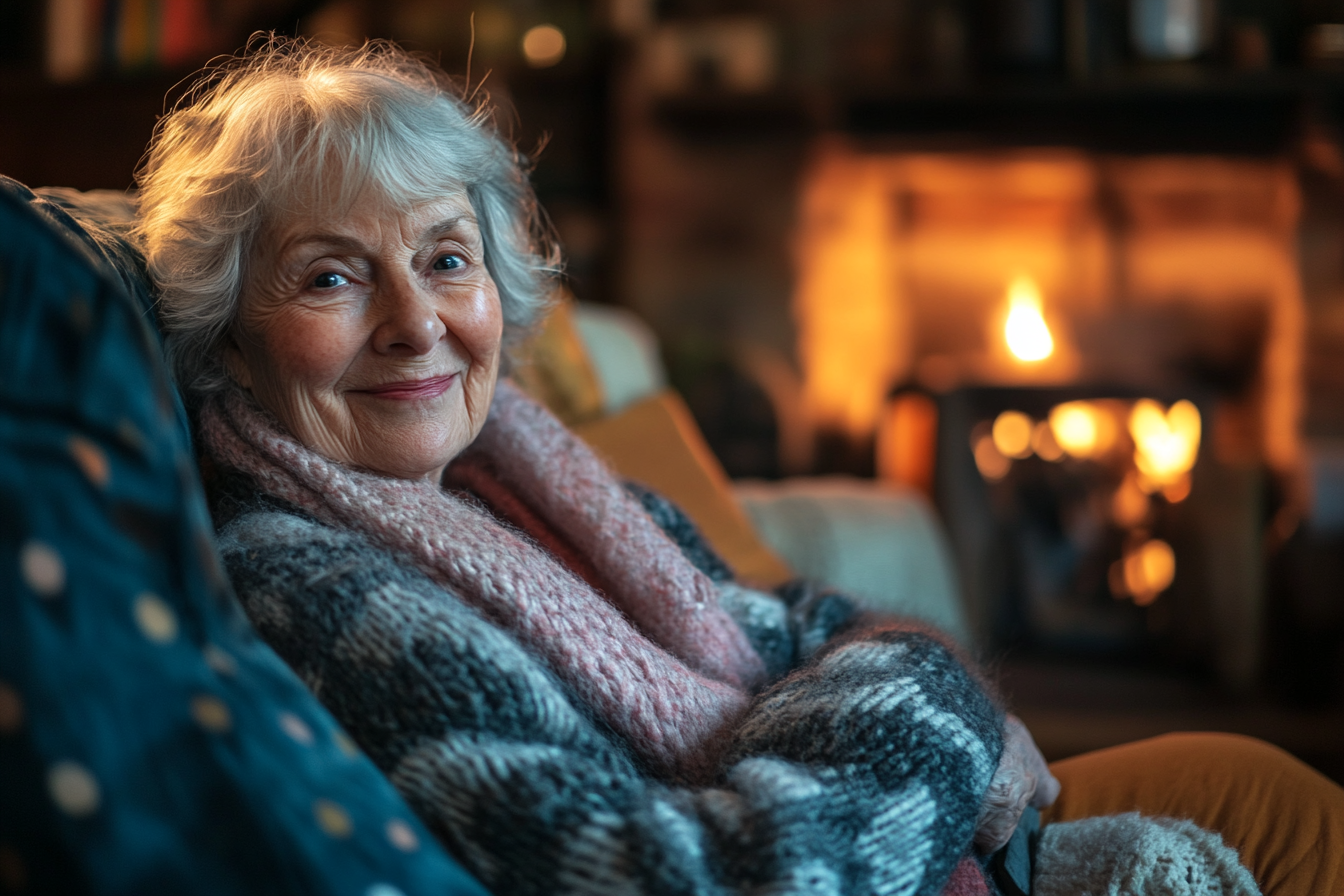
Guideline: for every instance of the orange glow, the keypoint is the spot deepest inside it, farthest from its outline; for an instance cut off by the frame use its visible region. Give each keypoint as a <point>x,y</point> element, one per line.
<point>1165,442</point>
<point>907,439</point>
<point>991,464</point>
<point>543,46</point>
<point>1178,491</point>
<point>1012,434</point>
<point>1082,428</point>
<point>1025,331</point>
<point>1044,444</point>
<point>1129,506</point>
<point>1149,571</point>
<point>854,336</point>
<point>903,259</point>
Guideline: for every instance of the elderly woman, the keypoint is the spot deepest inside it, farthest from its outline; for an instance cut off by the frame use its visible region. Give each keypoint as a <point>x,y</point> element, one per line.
<point>555,671</point>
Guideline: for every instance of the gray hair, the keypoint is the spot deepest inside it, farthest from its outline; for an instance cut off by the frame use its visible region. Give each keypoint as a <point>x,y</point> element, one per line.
<point>288,121</point>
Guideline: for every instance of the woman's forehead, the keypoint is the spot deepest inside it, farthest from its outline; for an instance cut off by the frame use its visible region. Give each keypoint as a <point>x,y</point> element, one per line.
<point>370,215</point>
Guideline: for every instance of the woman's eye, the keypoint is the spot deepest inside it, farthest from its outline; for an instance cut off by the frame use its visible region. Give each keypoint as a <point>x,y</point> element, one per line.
<point>449,262</point>
<point>329,280</point>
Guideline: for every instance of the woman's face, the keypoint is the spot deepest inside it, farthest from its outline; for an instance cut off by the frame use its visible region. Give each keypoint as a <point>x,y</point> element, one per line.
<point>373,336</point>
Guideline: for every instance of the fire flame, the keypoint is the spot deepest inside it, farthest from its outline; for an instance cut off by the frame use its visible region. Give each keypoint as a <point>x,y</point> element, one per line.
<point>1082,429</point>
<point>1012,434</point>
<point>1025,331</point>
<point>1165,442</point>
<point>1149,571</point>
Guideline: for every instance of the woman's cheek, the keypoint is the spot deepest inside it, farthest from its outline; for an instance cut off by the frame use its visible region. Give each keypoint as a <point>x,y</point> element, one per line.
<point>316,348</point>
<point>489,320</point>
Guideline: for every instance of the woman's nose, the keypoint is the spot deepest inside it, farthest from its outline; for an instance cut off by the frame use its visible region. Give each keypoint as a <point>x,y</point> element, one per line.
<point>410,322</point>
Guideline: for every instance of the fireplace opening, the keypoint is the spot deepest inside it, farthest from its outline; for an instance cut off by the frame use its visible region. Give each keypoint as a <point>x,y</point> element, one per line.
<point>1090,363</point>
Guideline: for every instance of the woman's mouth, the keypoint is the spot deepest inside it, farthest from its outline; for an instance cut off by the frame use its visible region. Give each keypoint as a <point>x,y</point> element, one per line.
<point>414,390</point>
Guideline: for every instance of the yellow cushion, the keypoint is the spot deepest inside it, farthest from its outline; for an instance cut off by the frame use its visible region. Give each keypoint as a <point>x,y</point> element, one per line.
<point>656,442</point>
<point>1284,819</point>
<point>555,370</point>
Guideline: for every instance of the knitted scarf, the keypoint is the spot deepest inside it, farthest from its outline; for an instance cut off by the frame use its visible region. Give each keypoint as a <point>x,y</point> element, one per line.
<point>655,656</point>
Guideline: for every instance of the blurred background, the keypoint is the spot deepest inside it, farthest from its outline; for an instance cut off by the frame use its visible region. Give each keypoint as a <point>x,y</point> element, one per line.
<point>1071,269</point>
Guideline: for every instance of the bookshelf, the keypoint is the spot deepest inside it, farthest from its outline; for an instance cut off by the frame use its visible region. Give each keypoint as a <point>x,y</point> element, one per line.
<point>82,82</point>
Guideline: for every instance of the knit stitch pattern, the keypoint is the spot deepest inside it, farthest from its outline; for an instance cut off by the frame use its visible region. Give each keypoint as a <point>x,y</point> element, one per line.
<point>494,703</point>
<point>524,782</point>
<point>673,690</point>
<point>1131,855</point>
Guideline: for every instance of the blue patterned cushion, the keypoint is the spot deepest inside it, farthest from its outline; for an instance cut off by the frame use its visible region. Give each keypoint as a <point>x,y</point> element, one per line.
<point>149,743</point>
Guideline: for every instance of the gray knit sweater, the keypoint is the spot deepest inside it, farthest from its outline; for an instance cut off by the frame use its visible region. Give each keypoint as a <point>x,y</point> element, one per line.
<point>859,770</point>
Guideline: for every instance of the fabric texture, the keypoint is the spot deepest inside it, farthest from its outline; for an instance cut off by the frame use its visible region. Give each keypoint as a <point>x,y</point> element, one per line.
<point>1139,855</point>
<point>149,741</point>
<point>523,783</point>
<point>1285,819</point>
<point>860,770</point>
<point>657,657</point>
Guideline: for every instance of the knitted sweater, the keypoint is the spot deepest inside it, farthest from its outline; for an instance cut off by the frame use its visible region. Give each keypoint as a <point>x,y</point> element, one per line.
<point>859,770</point>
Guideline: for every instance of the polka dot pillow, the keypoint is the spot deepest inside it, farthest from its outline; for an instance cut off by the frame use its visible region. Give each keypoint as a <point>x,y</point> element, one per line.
<point>149,743</point>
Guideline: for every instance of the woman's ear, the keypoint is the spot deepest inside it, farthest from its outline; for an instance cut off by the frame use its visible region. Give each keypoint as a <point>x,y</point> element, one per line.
<point>235,365</point>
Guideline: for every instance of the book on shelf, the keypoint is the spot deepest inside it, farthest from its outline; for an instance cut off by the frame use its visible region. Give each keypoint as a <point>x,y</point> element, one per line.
<point>89,37</point>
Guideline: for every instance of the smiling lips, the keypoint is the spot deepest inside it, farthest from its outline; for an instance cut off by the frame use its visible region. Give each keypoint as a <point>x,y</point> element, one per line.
<point>413,390</point>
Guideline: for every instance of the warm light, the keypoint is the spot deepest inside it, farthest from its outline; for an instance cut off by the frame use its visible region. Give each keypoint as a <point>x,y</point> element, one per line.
<point>907,440</point>
<point>1149,571</point>
<point>1177,491</point>
<point>1074,426</point>
<point>1165,443</point>
<point>543,46</point>
<point>991,464</point>
<point>1027,335</point>
<point>1129,505</point>
<point>854,333</point>
<point>1012,434</point>
<point>1082,429</point>
<point>1044,444</point>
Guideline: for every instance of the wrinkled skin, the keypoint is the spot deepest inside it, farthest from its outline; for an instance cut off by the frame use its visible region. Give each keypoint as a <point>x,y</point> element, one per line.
<point>372,332</point>
<point>1023,779</point>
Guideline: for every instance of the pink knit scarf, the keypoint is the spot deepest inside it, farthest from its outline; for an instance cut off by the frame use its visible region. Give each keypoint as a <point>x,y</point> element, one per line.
<point>655,657</point>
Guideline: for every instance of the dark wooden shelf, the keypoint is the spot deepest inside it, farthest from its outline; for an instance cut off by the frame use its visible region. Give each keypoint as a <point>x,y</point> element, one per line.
<point>88,135</point>
<point>1173,111</point>
<point>1248,117</point>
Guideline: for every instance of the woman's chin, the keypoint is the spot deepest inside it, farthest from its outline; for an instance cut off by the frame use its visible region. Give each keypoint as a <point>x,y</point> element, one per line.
<point>418,447</point>
<point>425,464</point>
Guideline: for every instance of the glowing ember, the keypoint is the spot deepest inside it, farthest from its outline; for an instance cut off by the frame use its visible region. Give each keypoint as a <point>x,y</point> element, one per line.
<point>1027,335</point>
<point>1074,426</point>
<point>1082,428</point>
<point>1044,444</point>
<point>1129,505</point>
<point>991,464</point>
<point>1149,571</point>
<point>1012,434</point>
<point>1165,442</point>
<point>1178,491</point>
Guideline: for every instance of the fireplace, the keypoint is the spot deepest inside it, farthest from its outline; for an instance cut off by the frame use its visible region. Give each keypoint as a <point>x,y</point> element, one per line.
<point>982,322</point>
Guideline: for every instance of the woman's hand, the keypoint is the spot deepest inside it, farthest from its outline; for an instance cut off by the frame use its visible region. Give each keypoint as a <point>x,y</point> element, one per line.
<point>1023,778</point>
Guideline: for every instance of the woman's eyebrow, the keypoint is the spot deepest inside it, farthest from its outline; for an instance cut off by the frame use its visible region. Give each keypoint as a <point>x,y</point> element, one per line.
<point>334,240</point>
<point>448,225</point>
<point>352,244</point>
